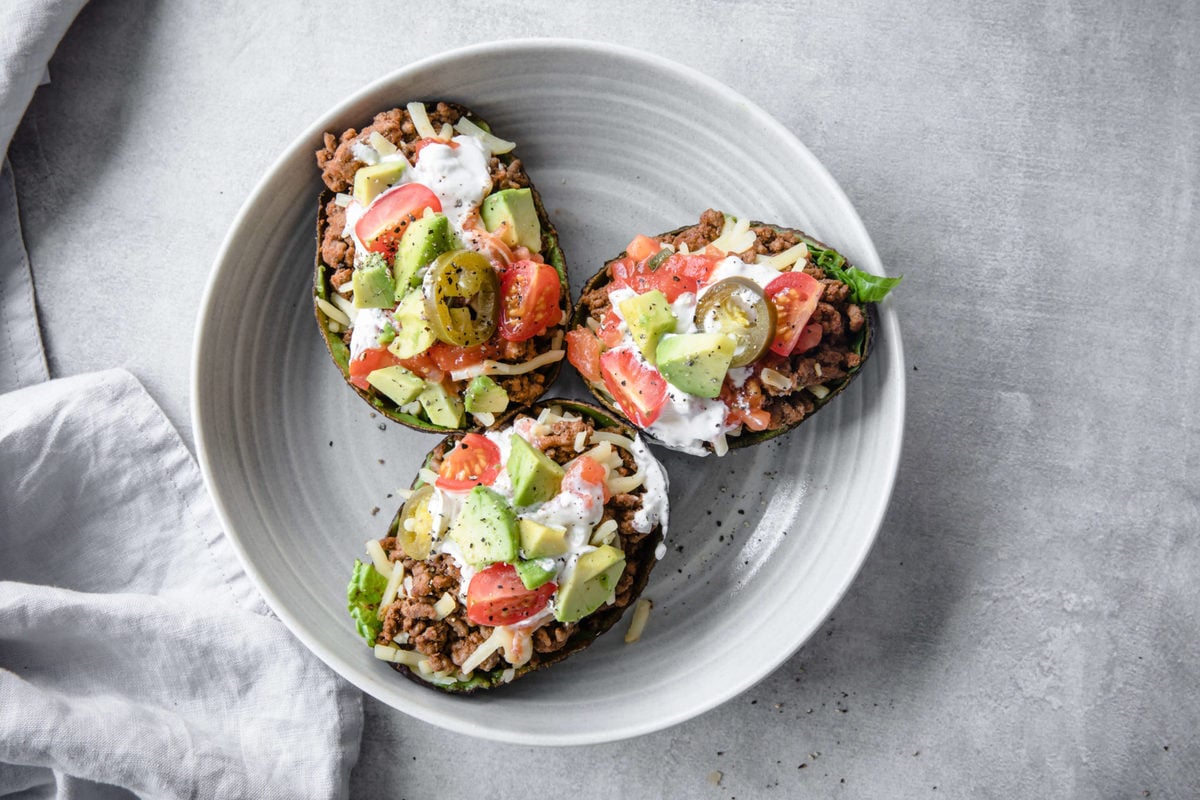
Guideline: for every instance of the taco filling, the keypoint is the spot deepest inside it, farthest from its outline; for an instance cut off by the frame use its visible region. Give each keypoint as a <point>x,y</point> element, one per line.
<point>517,546</point>
<point>440,286</point>
<point>723,333</point>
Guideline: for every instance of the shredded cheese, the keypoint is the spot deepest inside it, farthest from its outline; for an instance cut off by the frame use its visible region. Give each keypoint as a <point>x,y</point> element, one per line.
<point>333,327</point>
<point>776,380</point>
<point>484,418</point>
<point>721,445</point>
<point>346,288</point>
<point>387,652</point>
<point>342,199</point>
<point>381,144</point>
<point>447,132</point>
<point>445,605</point>
<point>508,675</point>
<point>580,441</point>
<point>600,452</point>
<point>421,121</point>
<point>492,142</point>
<point>347,308</point>
<point>615,438</point>
<point>490,645</point>
<point>641,613</point>
<point>605,533</point>
<point>332,311</point>
<point>382,564</point>
<point>735,237</point>
<point>393,586</point>
<point>488,367</point>
<point>427,475</point>
<point>621,485</point>
<point>627,484</point>
<point>786,259</point>
<point>592,324</point>
<point>819,391</point>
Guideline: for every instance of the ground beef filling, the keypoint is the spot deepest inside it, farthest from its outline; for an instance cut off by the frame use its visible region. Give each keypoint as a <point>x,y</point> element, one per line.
<point>338,165</point>
<point>839,319</point>
<point>450,641</point>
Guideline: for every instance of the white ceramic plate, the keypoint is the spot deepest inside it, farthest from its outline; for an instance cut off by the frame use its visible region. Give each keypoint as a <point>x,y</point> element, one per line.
<point>763,542</point>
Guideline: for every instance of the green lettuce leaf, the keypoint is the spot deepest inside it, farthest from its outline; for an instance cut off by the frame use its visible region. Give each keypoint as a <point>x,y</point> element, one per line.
<point>864,287</point>
<point>363,596</point>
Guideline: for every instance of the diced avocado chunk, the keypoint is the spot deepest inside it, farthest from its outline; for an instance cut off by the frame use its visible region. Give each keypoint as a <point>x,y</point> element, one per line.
<point>590,585</point>
<point>696,362</point>
<point>534,475</point>
<point>486,530</point>
<point>396,383</point>
<point>440,406</point>
<point>414,334</point>
<point>542,541</point>
<point>422,242</point>
<point>535,573</point>
<point>371,181</point>
<point>648,317</point>
<point>515,207</point>
<point>373,287</point>
<point>484,395</point>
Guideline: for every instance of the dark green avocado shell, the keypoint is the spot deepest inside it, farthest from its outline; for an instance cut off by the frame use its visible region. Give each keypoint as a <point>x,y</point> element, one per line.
<point>594,624</point>
<point>340,353</point>
<point>863,344</point>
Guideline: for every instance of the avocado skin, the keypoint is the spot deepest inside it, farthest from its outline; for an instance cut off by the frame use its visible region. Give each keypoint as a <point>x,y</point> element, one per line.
<point>340,353</point>
<point>590,626</point>
<point>748,438</point>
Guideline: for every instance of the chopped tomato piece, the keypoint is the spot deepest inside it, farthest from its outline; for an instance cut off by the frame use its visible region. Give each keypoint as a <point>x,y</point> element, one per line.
<point>795,295</point>
<point>529,295</point>
<point>381,228</point>
<point>642,247</point>
<point>638,388</point>
<point>449,357</point>
<point>474,460</point>
<point>423,366</point>
<point>367,362</point>
<point>583,351</point>
<point>674,276</point>
<point>745,404</point>
<point>610,330</point>
<point>496,596</point>
<point>586,469</point>
<point>810,337</point>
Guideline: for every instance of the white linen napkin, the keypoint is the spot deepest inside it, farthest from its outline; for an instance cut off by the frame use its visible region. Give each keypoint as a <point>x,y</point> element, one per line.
<point>136,658</point>
<point>134,651</point>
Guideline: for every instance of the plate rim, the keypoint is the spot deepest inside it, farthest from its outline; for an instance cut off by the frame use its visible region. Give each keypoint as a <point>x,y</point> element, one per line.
<point>893,429</point>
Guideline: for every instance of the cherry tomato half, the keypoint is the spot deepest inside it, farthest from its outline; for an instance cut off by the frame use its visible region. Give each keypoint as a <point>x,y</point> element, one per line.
<point>381,228</point>
<point>795,295</point>
<point>496,596</point>
<point>529,294</point>
<point>638,388</point>
<point>474,460</point>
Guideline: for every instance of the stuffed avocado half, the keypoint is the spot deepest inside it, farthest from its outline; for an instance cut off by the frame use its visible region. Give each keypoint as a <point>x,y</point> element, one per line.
<point>440,287</point>
<point>725,333</point>
<point>516,547</point>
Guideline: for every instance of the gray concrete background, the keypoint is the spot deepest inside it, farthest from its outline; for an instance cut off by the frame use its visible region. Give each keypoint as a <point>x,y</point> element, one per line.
<point>1028,624</point>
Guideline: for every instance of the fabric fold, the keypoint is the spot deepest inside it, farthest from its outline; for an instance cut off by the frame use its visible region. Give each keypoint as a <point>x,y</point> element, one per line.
<point>134,651</point>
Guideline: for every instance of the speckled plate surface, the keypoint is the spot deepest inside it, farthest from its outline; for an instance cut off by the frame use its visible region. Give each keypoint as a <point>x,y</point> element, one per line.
<point>762,543</point>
